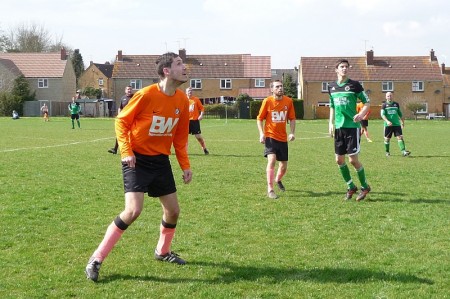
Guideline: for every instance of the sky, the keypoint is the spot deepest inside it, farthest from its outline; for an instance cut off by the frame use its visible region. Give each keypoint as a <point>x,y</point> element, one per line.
<point>286,30</point>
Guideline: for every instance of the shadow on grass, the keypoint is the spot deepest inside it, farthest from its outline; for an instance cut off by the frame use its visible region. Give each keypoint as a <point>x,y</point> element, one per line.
<point>372,197</point>
<point>230,273</point>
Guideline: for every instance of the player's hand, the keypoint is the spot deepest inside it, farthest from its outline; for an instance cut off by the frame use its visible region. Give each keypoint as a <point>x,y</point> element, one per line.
<point>291,137</point>
<point>262,138</point>
<point>357,118</point>
<point>331,130</point>
<point>187,176</point>
<point>130,160</point>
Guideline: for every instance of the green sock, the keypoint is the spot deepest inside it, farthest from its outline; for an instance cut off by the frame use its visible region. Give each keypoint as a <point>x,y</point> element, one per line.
<point>386,146</point>
<point>78,122</point>
<point>345,172</point>
<point>362,177</point>
<point>401,145</point>
<point>73,124</point>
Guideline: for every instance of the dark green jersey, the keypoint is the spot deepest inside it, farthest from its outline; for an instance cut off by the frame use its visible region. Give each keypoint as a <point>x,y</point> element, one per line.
<point>74,108</point>
<point>392,112</point>
<point>343,98</point>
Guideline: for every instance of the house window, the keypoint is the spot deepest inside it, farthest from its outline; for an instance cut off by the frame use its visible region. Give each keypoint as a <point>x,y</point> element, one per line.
<point>42,83</point>
<point>387,86</point>
<point>424,108</point>
<point>196,83</point>
<point>225,83</point>
<point>324,86</point>
<point>323,104</point>
<point>417,86</point>
<point>100,81</point>
<point>260,83</point>
<point>136,84</point>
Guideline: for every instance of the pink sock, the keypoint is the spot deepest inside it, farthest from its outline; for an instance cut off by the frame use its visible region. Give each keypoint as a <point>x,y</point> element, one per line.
<point>165,239</point>
<point>112,236</point>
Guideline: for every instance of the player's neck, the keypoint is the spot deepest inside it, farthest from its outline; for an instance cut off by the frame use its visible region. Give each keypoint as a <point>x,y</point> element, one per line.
<point>168,87</point>
<point>342,79</point>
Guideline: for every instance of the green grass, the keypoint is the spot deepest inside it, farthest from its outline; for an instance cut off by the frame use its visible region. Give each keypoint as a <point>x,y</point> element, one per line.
<point>60,189</point>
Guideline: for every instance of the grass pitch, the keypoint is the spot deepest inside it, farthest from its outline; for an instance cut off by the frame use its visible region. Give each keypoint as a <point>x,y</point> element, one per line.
<point>60,189</point>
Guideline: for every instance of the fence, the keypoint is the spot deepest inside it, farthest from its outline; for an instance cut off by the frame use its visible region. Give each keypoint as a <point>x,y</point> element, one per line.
<point>89,108</point>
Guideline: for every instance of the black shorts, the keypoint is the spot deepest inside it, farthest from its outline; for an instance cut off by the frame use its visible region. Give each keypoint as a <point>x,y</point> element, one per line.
<point>152,174</point>
<point>346,141</point>
<point>364,123</point>
<point>75,116</point>
<point>279,148</point>
<point>397,130</point>
<point>194,127</point>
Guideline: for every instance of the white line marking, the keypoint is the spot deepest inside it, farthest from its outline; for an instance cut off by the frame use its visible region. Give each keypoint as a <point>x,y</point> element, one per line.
<point>52,146</point>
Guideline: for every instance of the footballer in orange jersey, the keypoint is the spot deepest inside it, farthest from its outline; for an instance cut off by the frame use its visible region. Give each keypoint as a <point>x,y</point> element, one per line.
<point>155,119</point>
<point>195,116</point>
<point>273,115</point>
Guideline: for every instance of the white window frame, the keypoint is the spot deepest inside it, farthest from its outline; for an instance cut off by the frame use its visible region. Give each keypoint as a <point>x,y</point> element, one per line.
<point>196,83</point>
<point>323,104</point>
<point>136,84</point>
<point>325,86</point>
<point>424,110</point>
<point>259,82</point>
<point>100,82</point>
<point>42,83</point>
<point>225,84</point>
<point>387,86</point>
<point>418,86</point>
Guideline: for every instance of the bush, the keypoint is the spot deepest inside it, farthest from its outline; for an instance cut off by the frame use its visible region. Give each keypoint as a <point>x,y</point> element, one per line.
<point>10,102</point>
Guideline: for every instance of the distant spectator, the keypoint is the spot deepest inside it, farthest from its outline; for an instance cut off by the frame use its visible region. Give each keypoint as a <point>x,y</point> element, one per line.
<point>15,115</point>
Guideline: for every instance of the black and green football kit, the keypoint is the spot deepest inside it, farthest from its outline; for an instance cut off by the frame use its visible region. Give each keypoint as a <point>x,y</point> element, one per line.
<point>343,99</point>
<point>391,110</point>
<point>75,109</point>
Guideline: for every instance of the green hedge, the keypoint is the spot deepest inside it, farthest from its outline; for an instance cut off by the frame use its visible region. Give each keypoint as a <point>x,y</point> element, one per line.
<point>298,106</point>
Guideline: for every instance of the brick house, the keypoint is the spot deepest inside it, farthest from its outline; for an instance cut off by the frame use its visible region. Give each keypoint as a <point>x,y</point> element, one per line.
<point>213,77</point>
<point>50,75</point>
<point>411,78</point>
<point>98,76</point>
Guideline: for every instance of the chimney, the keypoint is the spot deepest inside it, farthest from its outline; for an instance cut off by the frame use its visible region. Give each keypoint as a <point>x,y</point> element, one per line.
<point>432,56</point>
<point>91,63</point>
<point>182,54</point>
<point>63,54</point>
<point>369,57</point>
<point>442,68</point>
<point>119,55</point>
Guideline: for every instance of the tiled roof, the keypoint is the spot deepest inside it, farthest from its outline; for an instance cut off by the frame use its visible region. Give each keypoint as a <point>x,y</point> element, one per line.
<point>106,69</point>
<point>256,93</point>
<point>395,68</point>
<point>199,66</point>
<point>9,65</point>
<point>38,65</point>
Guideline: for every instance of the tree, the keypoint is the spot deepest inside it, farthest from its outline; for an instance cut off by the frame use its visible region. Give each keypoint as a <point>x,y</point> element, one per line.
<point>289,86</point>
<point>13,100</point>
<point>78,64</point>
<point>21,89</point>
<point>30,38</point>
<point>92,92</point>
<point>414,104</point>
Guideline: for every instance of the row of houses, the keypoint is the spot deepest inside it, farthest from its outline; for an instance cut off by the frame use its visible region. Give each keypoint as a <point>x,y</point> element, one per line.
<point>218,77</point>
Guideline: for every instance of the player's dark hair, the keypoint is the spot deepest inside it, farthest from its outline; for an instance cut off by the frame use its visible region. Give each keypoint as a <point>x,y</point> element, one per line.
<point>163,61</point>
<point>343,60</point>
